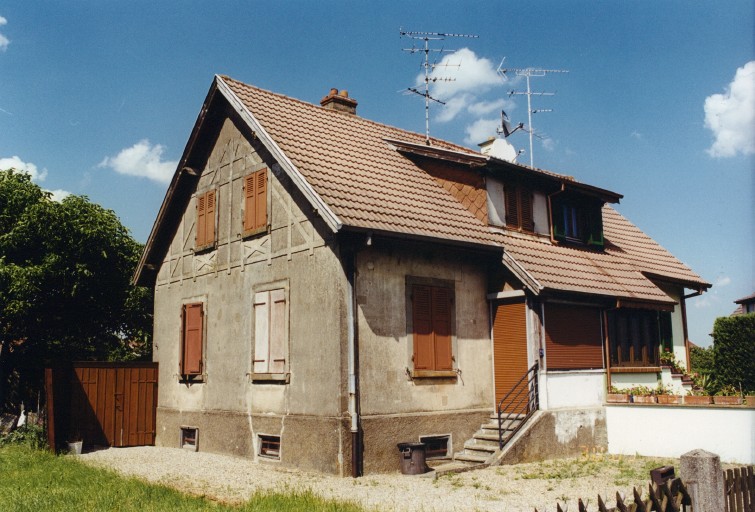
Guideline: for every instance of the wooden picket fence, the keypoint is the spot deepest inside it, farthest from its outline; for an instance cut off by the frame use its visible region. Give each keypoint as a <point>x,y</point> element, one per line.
<point>739,487</point>
<point>669,497</point>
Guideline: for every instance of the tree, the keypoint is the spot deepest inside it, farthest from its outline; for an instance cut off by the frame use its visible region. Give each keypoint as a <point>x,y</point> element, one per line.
<point>65,286</point>
<point>734,352</point>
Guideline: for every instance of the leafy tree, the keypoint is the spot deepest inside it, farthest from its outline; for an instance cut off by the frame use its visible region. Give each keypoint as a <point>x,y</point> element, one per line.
<point>701,360</point>
<point>734,351</point>
<point>65,286</point>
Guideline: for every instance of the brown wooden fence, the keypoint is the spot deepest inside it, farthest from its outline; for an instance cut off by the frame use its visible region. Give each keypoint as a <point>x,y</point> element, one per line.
<point>103,404</point>
<point>739,487</point>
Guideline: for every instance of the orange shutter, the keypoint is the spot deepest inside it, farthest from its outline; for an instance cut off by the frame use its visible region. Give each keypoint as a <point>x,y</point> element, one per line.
<point>210,218</point>
<point>261,332</point>
<point>441,309</point>
<point>191,357</point>
<point>249,202</point>
<point>260,200</point>
<point>201,221</point>
<point>423,328</point>
<point>573,337</point>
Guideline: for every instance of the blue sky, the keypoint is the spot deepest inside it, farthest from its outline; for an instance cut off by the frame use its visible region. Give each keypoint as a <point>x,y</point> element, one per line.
<point>98,98</point>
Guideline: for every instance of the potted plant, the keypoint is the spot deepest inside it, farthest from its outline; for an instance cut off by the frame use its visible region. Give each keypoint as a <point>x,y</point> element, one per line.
<point>668,359</point>
<point>617,396</point>
<point>666,396</point>
<point>643,395</point>
<point>727,395</point>
<point>698,397</point>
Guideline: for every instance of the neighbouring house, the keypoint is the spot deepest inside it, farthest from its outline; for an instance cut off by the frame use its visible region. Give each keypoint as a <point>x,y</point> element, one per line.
<point>328,286</point>
<point>745,305</point>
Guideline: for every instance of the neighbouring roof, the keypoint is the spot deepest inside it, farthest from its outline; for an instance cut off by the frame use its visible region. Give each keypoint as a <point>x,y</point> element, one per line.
<point>745,300</point>
<point>357,173</point>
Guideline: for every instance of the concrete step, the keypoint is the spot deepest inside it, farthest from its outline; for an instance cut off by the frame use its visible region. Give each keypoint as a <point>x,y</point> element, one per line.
<point>506,426</point>
<point>474,446</point>
<point>486,439</point>
<point>494,416</point>
<point>474,458</point>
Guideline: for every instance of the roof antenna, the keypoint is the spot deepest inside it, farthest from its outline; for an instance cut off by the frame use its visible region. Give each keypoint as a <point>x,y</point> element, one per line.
<point>429,68</point>
<point>527,73</point>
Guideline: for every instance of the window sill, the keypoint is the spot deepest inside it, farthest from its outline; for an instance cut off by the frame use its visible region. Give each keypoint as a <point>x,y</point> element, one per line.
<point>252,232</point>
<point>280,378</point>
<point>205,248</point>
<point>433,374</point>
<point>635,369</point>
<point>199,378</point>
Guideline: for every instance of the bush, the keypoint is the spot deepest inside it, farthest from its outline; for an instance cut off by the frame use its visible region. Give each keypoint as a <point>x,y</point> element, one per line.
<point>32,436</point>
<point>734,352</point>
<point>701,360</point>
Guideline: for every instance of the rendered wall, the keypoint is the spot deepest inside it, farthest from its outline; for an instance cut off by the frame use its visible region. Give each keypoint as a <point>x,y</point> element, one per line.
<point>576,388</point>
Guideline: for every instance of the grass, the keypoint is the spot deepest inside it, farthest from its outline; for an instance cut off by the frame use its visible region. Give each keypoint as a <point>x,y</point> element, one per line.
<point>34,480</point>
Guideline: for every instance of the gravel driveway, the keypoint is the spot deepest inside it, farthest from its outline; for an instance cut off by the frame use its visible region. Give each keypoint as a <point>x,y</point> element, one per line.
<point>504,488</point>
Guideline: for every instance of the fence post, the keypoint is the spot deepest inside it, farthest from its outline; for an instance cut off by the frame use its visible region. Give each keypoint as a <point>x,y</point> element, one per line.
<point>701,473</point>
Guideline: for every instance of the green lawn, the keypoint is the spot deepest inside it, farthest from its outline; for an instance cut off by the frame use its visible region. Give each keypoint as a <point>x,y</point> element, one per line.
<point>36,480</point>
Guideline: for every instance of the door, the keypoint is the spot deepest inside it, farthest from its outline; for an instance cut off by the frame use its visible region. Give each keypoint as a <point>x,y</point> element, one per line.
<point>509,346</point>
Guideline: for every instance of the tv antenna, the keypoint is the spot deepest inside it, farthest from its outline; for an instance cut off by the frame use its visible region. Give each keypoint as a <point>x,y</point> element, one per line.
<point>426,37</point>
<point>529,73</point>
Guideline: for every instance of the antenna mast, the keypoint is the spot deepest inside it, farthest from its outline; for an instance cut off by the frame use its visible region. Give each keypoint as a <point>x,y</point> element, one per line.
<point>427,37</point>
<point>528,73</point>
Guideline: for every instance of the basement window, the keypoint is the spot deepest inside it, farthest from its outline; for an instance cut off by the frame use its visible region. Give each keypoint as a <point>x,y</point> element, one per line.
<point>270,446</point>
<point>189,436</point>
<point>437,447</point>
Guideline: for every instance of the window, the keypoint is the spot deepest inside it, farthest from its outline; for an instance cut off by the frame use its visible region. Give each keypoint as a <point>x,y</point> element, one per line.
<point>577,220</point>
<point>255,202</point>
<point>436,447</point>
<point>432,315</point>
<point>270,446</point>
<point>270,334</point>
<point>188,438</point>
<point>519,212</point>
<point>206,208</point>
<point>635,336</point>
<point>192,334</point>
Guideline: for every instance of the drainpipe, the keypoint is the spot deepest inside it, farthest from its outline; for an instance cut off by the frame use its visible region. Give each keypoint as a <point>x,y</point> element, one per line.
<point>353,363</point>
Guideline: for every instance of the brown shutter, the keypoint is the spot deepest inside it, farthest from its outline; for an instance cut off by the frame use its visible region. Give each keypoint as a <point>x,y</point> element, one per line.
<point>260,200</point>
<point>441,312</point>
<point>423,327</point>
<point>512,206</point>
<point>573,337</point>
<point>527,215</point>
<point>210,218</point>
<point>201,221</point>
<point>509,345</point>
<point>249,202</point>
<point>191,356</point>
<point>277,331</point>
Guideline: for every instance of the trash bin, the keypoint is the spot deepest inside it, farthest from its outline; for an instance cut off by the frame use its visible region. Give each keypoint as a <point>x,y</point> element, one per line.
<point>413,458</point>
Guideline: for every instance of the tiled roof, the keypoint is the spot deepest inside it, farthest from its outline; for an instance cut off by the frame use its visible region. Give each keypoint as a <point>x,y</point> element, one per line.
<point>355,171</point>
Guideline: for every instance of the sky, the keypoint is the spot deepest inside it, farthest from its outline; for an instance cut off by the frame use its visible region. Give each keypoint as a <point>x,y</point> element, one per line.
<point>98,98</point>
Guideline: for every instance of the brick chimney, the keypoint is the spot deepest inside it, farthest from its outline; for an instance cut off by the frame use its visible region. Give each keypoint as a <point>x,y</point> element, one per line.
<point>339,101</point>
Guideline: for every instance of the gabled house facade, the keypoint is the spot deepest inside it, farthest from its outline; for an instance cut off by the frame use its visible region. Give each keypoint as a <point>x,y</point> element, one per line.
<point>327,286</point>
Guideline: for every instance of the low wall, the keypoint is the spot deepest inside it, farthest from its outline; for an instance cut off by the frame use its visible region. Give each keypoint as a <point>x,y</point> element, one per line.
<point>669,431</point>
<point>573,389</point>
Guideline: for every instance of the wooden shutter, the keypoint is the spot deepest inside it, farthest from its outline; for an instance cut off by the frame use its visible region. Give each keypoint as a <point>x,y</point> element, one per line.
<point>255,201</point>
<point>512,206</point>
<point>210,218</point>
<point>526,215</point>
<point>573,337</point>
<point>509,346</point>
<point>423,327</point>
<point>441,313</point>
<point>277,334</point>
<point>261,331</point>
<point>201,220</point>
<point>191,353</point>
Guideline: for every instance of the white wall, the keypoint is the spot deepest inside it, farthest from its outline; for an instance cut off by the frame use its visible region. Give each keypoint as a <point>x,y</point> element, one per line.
<point>670,431</point>
<point>572,389</point>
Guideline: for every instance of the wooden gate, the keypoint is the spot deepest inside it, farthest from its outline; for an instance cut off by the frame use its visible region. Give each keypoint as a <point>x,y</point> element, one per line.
<point>104,404</point>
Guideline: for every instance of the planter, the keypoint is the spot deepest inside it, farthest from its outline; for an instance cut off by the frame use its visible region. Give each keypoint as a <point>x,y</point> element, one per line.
<point>618,398</point>
<point>750,400</point>
<point>644,399</point>
<point>727,400</point>
<point>669,399</point>
<point>697,399</point>
<point>74,447</point>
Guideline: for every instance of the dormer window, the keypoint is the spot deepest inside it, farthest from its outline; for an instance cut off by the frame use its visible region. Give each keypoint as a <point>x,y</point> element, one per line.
<point>577,220</point>
<point>519,211</point>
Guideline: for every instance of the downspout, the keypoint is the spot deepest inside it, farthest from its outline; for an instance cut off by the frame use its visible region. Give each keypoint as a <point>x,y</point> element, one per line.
<point>353,364</point>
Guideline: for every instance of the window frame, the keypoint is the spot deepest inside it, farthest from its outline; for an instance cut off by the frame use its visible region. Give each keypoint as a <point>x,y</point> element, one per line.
<point>646,324</point>
<point>267,440</point>
<point>252,223</point>
<point>202,241</point>
<point>433,370</point>
<point>269,374</point>
<point>576,220</point>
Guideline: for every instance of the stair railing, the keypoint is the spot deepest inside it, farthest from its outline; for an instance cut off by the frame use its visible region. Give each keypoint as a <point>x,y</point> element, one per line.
<point>520,403</point>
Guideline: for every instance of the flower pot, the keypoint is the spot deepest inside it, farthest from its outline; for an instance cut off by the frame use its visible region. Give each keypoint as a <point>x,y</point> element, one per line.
<point>74,447</point>
<point>669,399</point>
<point>750,400</point>
<point>644,399</point>
<point>697,400</point>
<point>617,398</point>
<point>727,400</point>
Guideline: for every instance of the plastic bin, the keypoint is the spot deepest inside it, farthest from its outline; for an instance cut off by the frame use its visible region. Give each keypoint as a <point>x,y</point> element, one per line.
<point>412,457</point>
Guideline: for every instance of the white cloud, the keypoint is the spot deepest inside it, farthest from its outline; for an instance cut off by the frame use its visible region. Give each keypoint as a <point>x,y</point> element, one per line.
<point>636,135</point>
<point>142,159</point>
<point>480,130</point>
<point>59,194</point>
<point>452,108</point>
<point>731,116</point>
<point>482,108</point>
<point>548,144</point>
<point>4,41</point>
<point>15,162</point>
<point>722,281</point>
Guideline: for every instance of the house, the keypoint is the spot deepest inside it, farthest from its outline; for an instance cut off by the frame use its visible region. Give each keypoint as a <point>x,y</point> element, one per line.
<point>327,286</point>
<point>745,305</point>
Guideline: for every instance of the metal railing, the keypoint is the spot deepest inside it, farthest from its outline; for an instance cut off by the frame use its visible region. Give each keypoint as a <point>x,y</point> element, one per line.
<point>519,403</point>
